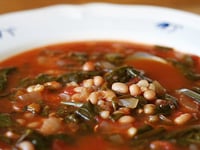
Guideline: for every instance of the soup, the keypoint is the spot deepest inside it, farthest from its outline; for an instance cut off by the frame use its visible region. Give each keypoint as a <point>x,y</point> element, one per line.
<point>100,95</point>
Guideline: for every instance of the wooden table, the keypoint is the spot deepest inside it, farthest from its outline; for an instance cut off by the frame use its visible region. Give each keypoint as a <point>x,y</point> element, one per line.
<point>16,5</point>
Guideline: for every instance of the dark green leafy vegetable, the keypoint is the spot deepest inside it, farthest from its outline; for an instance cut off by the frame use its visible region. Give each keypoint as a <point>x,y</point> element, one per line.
<point>81,114</point>
<point>142,101</point>
<point>4,76</point>
<point>40,142</point>
<point>5,120</point>
<point>40,79</point>
<point>182,136</point>
<point>144,129</point>
<point>75,104</point>
<point>45,111</point>
<point>196,89</point>
<point>186,66</point>
<point>79,56</point>
<point>164,109</point>
<point>154,133</point>
<point>122,74</point>
<point>5,139</point>
<point>72,118</point>
<point>88,111</point>
<point>114,58</point>
<point>185,136</point>
<point>167,105</point>
<point>116,116</point>
<point>65,110</point>
<point>68,111</point>
<point>173,102</point>
<point>78,76</point>
<point>142,139</point>
<point>65,78</point>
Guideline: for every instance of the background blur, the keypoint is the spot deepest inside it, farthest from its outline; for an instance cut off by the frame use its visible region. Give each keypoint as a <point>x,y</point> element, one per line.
<point>16,5</point>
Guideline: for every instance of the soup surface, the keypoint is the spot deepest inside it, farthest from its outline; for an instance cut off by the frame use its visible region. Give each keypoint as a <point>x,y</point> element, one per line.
<point>102,95</point>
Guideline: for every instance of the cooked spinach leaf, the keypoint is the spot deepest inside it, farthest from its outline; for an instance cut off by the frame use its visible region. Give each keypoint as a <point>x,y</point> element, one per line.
<point>168,104</point>
<point>185,136</point>
<point>116,116</point>
<point>144,137</point>
<point>5,139</point>
<point>4,76</point>
<point>5,120</point>
<point>40,142</point>
<point>122,74</point>
<point>79,56</point>
<point>77,76</point>
<point>88,111</point>
<point>40,79</point>
<point>114,58</point>
<point>182,136</point>
<point>186,66</point>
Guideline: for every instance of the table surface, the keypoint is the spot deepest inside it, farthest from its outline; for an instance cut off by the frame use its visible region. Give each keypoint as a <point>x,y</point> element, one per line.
<point>7,6</point>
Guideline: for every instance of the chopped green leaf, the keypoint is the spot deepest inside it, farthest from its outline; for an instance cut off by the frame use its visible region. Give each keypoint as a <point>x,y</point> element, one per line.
<point>40,79</point>
<point>186,66</point>
<point>114,58</point>
<point>185,136</point>
<point>5,120</point>
<point>116,116</point>
<point>122,74</point>
<point>75,104</point>
<point>79,56</point>
<point>77,76</point>
<point>4,76</point>
<point>88,111</point>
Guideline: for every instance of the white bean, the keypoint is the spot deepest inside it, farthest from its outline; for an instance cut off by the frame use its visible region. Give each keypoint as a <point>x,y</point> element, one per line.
<point>152,87</point>
<point>149,94</point>
<point>50,125</point>
<point>126,119</point>
<point>88,66</point>
<point>93,97</point>
<point>109,95</point>
<point>143,83</point>
<point>120,87</point>
<point>149,109</point>
<point>134,90</point>
<point>53,85</point>
<point>98,80</point>
<point>105,114</point>
<point>88,83</point>
<point>182,119</point>
<point>153,118</point>
<point>35,88</point>
<point>132,131</point>
<point>25,145</point>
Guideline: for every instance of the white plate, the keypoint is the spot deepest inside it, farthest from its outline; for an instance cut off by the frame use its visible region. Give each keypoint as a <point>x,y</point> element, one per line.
<point>99,21</point>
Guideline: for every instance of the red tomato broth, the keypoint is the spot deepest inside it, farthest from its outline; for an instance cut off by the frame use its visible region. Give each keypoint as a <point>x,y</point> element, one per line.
<point>57,60</point>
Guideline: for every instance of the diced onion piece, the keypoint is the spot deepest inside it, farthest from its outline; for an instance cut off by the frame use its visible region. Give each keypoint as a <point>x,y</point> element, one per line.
<point>129,102</point>
<point>189,104</point>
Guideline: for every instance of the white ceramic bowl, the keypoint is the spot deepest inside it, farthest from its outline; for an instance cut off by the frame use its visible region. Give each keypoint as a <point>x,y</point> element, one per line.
<point>25,30</point>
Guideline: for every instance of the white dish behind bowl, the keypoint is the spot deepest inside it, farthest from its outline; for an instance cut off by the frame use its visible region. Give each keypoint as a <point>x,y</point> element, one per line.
<point>25,30</point>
